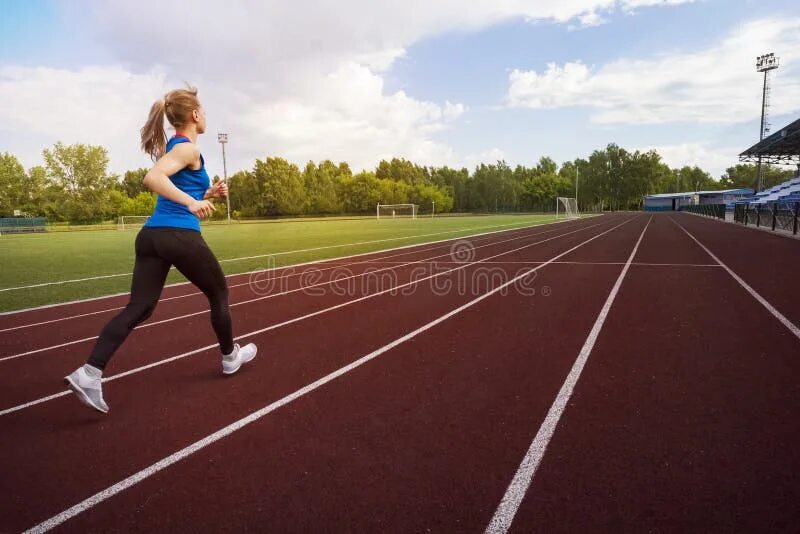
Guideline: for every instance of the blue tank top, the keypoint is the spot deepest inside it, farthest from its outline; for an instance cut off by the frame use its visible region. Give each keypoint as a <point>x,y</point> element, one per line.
<point>192,182</point>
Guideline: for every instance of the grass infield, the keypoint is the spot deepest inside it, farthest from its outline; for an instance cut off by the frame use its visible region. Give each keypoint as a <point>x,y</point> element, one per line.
<point>30,259</point>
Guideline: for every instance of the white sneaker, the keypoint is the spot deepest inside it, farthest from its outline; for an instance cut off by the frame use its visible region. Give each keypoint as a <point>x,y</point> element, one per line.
<point>240,355</point>
<point>88,389</point>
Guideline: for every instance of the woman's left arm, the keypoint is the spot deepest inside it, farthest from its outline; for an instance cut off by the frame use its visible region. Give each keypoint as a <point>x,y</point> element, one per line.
<point>218,190</point>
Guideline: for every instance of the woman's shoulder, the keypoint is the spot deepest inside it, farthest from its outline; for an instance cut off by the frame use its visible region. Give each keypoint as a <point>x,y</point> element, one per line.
<point>178,140</point>
<point>183,147</point>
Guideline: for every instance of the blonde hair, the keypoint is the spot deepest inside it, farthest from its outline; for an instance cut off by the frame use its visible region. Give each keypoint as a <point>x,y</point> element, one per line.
<point>177,107</point>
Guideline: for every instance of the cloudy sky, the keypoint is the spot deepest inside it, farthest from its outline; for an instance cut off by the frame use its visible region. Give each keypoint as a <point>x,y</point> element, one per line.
<point>437,81</point>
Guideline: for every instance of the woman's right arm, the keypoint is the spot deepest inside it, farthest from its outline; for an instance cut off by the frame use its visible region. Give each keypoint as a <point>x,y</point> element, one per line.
<point>157,178</point>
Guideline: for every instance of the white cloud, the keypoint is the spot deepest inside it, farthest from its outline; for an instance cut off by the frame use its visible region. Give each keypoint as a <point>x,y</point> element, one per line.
<point>97,105</point>
<point>708,157</point>
<point>287,36</point>
<point>492,155</point>
<point>591,18</point>
<point>718,84</point>
<point>633,4</point>
<point>299,79</point>
<point>353,119</point>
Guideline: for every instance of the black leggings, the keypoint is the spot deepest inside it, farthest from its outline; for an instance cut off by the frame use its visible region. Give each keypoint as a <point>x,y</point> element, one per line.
<point>156,250</point>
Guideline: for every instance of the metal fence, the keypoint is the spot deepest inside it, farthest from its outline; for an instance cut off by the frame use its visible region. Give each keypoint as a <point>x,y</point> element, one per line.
<point>775,215</point>
<point>22,225</point>
<point>709,210</point>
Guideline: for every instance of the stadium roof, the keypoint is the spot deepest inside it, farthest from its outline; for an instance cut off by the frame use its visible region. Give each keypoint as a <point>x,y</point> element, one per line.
<point>742,191</point>
<point>781,147</point>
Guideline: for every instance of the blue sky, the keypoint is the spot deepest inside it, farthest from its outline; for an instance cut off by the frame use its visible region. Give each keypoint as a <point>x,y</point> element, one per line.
<point>438,83</point>
<point>472,67</point>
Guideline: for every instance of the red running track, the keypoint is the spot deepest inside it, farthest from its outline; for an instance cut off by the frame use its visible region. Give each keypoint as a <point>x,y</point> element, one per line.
<point>682,419</point>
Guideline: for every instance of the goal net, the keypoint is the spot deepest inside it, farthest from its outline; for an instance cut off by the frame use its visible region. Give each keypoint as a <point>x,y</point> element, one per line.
<point>395,211</point>
<point>131,222</point>
<point>567,207</point>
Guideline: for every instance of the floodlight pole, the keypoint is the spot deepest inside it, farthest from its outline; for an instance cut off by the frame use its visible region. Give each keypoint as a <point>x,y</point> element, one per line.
<point>764,64</point>
<point>223,140</point>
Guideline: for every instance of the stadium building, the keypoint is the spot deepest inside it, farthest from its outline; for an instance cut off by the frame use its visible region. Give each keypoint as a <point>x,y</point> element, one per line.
<point>675,201</point>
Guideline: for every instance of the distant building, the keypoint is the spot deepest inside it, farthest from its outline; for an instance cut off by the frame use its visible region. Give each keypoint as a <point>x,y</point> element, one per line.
<point>674,201</point>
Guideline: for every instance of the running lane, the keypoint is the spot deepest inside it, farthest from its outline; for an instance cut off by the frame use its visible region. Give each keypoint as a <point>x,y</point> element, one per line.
<point>685,417</point>
<point>97,304</point>
<point>162,410</point>
<point>60,324</point>
<point>767,262</point>
<point>31,376</point>
<point>421,438</point>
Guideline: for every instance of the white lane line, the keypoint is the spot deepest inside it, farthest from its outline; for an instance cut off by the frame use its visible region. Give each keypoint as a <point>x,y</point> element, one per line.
<point>273,295</point>
<point>645,264</point>
<point>90,299</point>
<point>507,509</point>
<point>34,402</point>
<point>74,280</point>
<point>755,294</point>
<point>281,253</point>
<point>230,286</point>
<point>378,262</point>
<point>634,264</point>
<point>293,320</point>
<point>284,268</point>
<point>151,470</point>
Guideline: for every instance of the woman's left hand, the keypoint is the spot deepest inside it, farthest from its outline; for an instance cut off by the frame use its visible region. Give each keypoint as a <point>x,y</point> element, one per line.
<point>218,190</point>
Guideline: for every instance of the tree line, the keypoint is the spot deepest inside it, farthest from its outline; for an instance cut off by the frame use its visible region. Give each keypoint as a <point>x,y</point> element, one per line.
<point>75,185</point>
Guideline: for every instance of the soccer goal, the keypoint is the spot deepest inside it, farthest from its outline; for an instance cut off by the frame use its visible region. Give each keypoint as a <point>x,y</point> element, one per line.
<point>131,222</point>
<point>567,207</point>
<point>395,211</point>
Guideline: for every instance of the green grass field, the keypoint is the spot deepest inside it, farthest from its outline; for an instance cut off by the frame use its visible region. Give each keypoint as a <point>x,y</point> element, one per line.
<point>30,259</point>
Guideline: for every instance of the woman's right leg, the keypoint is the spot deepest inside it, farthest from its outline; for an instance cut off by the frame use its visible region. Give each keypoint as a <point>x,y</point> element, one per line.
<point>149,274</point>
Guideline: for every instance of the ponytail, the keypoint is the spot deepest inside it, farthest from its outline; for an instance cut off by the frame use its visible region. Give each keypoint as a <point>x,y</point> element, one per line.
<point>176,107</point>
<point>154,138</point>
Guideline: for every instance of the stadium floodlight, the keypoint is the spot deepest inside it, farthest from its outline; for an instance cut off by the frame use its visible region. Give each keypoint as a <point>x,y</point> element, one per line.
<point>223,140</point>
<point>765,63</point>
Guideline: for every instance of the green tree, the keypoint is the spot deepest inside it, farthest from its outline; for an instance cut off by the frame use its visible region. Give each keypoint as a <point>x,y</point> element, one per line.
<point>540,188</point>
<point>746,175</point>
<point>244,193</point>
<point>141,204</point>
<point>362,192</point>
<point>401,170</point>
<point>81,173</point>
<point>320,182</point>
<point>133,182</point>
<point>454,183</point>
<point>12,185</point>
<point>694,179</point>
<point>38,192</point>
<point>280,187</point>
<point>492,187</point>
<point>425,195</point>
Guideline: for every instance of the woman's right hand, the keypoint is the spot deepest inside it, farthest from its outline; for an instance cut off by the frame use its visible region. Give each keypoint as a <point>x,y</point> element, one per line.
<point>201,208</point>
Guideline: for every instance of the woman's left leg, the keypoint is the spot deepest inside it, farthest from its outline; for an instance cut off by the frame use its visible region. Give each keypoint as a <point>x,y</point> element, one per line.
<point>190,254</point>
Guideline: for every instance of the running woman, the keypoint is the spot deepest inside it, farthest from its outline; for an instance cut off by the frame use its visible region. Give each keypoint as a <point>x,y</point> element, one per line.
<point>170,237</point>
